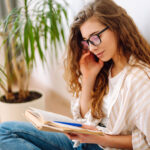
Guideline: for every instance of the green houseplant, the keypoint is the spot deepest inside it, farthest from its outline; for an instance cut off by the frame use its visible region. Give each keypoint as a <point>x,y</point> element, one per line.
<point>36,27</point>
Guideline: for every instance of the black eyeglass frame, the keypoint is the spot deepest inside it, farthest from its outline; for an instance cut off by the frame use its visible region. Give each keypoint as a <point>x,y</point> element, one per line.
<point>88,40</point>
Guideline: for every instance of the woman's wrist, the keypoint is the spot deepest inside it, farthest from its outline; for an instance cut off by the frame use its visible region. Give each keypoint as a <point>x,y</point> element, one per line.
<point>116,141</point>
<point>88,81</point>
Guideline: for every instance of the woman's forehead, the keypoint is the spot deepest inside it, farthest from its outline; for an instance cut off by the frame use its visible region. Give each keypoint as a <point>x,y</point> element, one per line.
<point>92,25</point>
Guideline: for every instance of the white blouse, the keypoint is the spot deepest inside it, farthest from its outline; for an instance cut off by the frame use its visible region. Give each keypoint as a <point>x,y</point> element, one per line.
<point>106,106</point>
<point>108,100</point>
<point>128,107</point>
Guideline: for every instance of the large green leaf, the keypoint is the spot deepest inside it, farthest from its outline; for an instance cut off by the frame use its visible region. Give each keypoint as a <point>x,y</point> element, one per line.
<point>37,39</point>
<point>31,39</point>
<point>27,58</point>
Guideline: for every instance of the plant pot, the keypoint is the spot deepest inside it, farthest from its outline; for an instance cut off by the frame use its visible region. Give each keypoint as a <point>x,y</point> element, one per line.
<point>15,111</point>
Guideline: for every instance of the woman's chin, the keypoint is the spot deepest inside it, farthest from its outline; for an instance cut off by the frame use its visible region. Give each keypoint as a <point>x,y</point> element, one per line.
<point>105,59</point>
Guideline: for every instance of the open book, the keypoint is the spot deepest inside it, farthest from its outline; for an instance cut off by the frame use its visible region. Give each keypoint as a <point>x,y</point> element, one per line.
<point>49,121</point>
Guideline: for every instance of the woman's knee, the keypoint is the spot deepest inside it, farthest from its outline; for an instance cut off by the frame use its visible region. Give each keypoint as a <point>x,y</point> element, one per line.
<point>13,126</point>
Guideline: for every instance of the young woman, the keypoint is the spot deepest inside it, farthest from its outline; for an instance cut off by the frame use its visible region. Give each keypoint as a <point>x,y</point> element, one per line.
<point>108,70</point>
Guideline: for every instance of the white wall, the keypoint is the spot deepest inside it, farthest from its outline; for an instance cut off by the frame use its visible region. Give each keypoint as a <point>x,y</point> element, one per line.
<point>52,77</point>
<point>139,11</point>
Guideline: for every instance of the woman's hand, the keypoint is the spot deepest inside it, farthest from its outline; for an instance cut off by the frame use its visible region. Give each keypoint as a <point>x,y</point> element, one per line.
<point>85,138</point>
<point>89,67</point>
<point>113,141</point>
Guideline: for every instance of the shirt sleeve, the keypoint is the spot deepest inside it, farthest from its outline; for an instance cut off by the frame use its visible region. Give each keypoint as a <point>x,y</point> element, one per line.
<point>75,109</point>
<point>88,118</point>
<point>141,135</point>
<point>140,99</point>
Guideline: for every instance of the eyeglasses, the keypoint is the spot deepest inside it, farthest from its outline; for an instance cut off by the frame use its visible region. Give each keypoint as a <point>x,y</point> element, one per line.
<point>93,39</point>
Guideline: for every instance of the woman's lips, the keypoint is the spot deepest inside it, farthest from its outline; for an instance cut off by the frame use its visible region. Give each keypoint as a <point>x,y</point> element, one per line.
<point>100,54</point>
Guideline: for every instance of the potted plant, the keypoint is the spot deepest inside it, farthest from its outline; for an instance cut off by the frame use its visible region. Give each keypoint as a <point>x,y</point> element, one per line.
<point>36,27</point>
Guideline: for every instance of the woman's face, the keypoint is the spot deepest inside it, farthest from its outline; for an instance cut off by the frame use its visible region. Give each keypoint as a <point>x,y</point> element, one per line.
<point>107,48</point>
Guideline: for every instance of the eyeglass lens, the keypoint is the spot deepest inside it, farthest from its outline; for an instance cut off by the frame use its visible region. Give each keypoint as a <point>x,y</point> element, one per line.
<point>94,40</point>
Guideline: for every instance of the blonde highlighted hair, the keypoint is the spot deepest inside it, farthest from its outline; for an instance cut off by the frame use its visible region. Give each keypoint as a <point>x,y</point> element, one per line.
<point>129,39</point>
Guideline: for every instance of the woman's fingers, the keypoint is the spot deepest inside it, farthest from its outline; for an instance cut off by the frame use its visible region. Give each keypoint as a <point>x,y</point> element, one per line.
<point>89,127</point>
<point>84,51</point>
<point>84,55</point>
<point>71,135</point>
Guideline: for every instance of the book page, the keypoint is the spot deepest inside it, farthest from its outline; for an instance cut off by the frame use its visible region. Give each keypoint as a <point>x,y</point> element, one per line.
<point>46,116</point>
<point>44,120</point>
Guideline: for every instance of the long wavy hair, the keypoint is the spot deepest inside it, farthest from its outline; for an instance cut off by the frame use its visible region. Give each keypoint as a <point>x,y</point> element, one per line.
<point>129,39</point>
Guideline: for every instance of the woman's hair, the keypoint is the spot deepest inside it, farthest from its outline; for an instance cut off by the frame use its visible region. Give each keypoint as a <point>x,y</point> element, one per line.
<point>129,39</point>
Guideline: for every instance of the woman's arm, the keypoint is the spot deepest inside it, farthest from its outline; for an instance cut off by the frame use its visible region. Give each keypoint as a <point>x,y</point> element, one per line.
<point>89,69</point>
<point>85,99</point>
<point>113,141</point>
<point>118,141</point>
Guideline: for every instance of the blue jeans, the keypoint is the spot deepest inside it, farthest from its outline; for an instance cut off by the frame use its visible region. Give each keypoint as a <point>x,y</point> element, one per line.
<point>23,136</point>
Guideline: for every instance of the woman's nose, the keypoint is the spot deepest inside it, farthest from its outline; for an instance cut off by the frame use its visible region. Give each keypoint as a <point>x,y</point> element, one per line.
<point>92,47</point>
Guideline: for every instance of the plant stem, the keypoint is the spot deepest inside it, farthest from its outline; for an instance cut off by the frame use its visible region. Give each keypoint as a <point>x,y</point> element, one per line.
<point>14,62</point>
<point>3,88</point>
<point>8,69</point>
<point>7,64</point>
<point>8,95</point>
<point>16,70</point>
<point>3,34</point>
<point>8,6</point>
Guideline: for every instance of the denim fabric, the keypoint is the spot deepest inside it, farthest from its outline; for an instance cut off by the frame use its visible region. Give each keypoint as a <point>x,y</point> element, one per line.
<point>23,136</point>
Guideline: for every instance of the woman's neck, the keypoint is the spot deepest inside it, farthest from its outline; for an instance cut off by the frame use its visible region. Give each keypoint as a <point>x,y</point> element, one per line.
<point>119,62</point>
